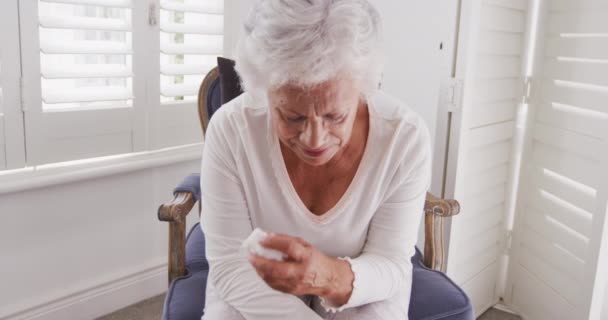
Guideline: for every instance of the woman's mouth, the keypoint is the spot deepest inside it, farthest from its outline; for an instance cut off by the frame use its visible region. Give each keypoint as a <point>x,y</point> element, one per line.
<point>314,153</point>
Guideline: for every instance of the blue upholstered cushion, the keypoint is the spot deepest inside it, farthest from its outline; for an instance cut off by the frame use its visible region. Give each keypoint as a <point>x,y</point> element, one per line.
<point>214,97</point>
<point>196,258</point>
<point>434,295</point>
<point>191,184</point>
<point>185,299</point>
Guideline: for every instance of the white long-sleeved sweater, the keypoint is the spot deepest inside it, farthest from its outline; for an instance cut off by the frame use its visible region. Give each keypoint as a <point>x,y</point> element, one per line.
<point>374,226</point>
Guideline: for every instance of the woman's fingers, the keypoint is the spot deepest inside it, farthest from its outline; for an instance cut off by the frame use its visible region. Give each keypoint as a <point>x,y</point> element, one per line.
<point>296,248</point>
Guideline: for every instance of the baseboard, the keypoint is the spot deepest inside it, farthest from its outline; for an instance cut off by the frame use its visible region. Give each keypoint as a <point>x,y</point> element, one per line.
<point>504,308</point>
<point>100,299</point>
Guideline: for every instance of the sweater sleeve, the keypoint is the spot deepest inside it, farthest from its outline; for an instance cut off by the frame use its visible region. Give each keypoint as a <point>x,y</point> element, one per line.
<point>226,223</point>
<point>384,268</point>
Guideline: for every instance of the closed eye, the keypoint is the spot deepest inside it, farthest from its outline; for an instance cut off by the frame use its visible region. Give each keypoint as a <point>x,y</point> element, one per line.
<point>296,119</point>
<point>335,118</point>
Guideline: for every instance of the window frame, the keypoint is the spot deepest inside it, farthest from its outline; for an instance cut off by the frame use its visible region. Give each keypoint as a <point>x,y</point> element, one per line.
<point>12,140</point>
<point>54,136</point>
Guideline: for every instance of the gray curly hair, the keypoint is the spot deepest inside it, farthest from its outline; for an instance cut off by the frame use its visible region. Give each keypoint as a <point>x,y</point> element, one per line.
<point>307,42</point>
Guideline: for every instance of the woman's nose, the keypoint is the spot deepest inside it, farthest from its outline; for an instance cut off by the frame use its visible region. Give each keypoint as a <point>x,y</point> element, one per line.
<point>314,134</point>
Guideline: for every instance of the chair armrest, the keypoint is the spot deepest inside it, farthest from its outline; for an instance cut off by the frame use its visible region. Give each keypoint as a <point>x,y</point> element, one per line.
<point>436,210</point>
<point>178,208</point>
<point>441,207</point>
<point>186,194</point>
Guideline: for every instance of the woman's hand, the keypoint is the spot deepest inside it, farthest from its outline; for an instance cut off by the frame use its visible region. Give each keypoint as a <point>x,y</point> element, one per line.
<point>305,270</point>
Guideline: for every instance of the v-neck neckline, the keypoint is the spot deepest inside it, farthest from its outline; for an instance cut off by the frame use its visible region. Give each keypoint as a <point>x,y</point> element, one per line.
<point>289,190</point>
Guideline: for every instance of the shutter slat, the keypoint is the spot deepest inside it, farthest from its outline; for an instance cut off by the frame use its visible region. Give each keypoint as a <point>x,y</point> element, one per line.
<point>88,94</point>
<point>590,48</point>
<point>86,71</point>
<point>179,90</point>
<point>563,212</point>
<point>84,47</point>
<point>198,28</point>
<point>204,49</point>
<point>577,5</point>
<point>496,90</point>
<point>571,118</point>
<point>573,167</point>
<point>205,7</point>
<point>491,177</point>
<point>84,23</point>
<point>485,221</point>
<point>555,233</point>
<point>483,241</point>
<point>577,71</point>
<point>500,43</point>
<point>490,134</point>
<point>560,282</point>
<point>592,22</point>
<point>184,69</point>
<point>521,5</point>
<point>489,113</point>
<point>568,263</point>
<point>502,19</point>
<point>464,271</point>
<point>489,157</point>
<point>568,141</point>
<point>100,3</point>
<point>564,188</point>
<point>579,97</point>
<point>497,67</point>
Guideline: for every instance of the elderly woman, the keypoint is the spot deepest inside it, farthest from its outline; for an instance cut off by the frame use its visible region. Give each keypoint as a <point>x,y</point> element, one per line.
<point>314,153</point>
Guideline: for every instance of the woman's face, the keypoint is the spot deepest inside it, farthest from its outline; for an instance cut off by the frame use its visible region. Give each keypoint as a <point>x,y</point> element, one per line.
<point>315,123</point>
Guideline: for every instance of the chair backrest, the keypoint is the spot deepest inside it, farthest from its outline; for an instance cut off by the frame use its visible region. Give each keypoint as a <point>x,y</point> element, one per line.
<point>209,97</point>
<point>220,85</point>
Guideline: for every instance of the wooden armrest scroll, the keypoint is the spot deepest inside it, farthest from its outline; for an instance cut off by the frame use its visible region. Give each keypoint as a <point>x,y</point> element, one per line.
<point>175,213</point>
<point>441,207</point>
<point>178,208</point>
<point>436,209</point>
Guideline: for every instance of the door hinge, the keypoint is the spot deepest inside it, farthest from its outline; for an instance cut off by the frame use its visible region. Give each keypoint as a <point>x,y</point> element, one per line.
<point>454,92</point>
<point>508,241</point>
<point>526,90</point>
<point>22,94</point>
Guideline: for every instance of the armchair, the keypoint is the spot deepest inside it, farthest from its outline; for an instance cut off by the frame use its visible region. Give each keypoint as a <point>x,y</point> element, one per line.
<point>434,295</point>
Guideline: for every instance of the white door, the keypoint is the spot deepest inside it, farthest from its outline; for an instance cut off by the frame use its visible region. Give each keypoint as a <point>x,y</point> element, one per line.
<point>561,207</point>
<point>490,61</point>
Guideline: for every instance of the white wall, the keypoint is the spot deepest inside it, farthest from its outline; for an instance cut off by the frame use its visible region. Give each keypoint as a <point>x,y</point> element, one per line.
<point>83,249</point>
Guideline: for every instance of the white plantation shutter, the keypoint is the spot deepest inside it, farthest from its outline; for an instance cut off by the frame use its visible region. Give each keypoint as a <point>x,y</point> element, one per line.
<point>12,148</point>
<point>190,38</point>
<point>79,55</point>
<point>563,195</point>
<point>492,68</point>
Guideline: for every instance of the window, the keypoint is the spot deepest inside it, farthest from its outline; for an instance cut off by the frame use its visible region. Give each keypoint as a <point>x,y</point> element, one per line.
<point>191,38</point>
<point>90,85</point>
<point>85,55</point>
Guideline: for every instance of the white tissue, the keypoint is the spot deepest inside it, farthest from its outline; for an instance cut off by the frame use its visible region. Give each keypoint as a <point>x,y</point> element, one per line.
<point>252,245</point>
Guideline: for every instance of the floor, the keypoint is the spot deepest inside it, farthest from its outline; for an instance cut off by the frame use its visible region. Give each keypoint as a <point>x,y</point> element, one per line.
<point>151,309</point>
<point>495,314</point>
